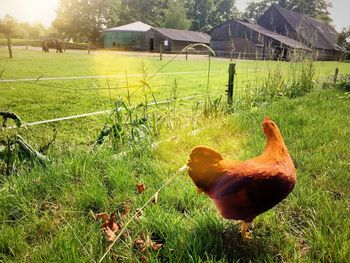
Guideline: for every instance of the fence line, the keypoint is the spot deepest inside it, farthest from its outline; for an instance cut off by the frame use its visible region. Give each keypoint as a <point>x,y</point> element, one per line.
<point>102,112</point>
<point>101,77</point>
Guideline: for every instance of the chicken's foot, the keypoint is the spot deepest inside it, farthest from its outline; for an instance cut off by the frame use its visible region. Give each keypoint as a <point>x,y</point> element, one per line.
<point>245,232</point>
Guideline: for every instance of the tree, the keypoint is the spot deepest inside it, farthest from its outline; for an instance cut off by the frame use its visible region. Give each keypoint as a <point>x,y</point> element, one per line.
<point>8,27</point>
<point>175,16</point>
<point>85,19</point>
<point>314,8</point>
<point>148,11</point>
<point>206,14</point>
<point>344,40</point>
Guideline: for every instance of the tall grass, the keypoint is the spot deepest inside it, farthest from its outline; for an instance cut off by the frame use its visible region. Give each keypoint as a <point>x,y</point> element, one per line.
<point>276,85</point>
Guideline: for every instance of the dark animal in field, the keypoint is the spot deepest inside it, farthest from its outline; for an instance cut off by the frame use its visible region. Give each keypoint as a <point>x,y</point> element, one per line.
<point>45,46</point>
<point>52,43</point>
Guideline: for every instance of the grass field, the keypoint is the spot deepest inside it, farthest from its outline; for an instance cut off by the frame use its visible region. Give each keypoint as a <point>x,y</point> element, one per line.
<point>45,212</point>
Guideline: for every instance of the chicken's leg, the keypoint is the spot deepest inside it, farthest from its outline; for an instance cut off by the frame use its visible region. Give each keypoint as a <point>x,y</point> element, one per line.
<point>244,231</point>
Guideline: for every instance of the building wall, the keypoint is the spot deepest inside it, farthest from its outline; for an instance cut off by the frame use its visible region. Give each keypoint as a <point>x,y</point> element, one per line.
<point>126,40</point>
<point>305,33</point>
<point>233,39</point>
<point>155,39</point>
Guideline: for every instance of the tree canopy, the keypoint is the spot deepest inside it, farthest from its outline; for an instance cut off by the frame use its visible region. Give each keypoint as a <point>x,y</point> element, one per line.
<point>314,8</point>
<point>175,16</point>
<point>206,14</point>
<point>85,19</point>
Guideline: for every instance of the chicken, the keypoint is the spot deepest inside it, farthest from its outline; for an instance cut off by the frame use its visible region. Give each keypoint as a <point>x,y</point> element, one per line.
<point>243,190</point>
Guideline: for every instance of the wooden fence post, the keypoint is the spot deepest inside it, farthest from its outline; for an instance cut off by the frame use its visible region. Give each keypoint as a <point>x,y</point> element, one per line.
<point>336,75</point>
<point>9,46</point>
<point>230,84</point>
<point>161,52</point>
<point>186,55</point>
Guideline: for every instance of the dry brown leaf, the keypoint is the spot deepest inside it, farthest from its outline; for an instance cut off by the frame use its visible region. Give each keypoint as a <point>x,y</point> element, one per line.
<point>126,209</point>
<point>139,212</point>
<point>104,216</point>
<point>156,246</point>
<point>142,244</point>
<point>140,188</point>
<point>143,259</point>
<point>111,223</point>
<point>110,235</point>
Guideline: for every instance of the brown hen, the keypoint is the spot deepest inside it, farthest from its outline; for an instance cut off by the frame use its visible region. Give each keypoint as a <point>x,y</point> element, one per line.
<point>243,190</point>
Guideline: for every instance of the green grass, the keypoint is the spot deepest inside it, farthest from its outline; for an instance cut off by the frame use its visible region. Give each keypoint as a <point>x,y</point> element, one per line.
<point>45,212</point>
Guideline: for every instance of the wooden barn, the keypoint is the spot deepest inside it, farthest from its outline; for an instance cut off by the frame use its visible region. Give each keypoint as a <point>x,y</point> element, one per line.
<point>245,40</point>
<point>127,37</point>
<point>173,40</point>
<point>321,38</point>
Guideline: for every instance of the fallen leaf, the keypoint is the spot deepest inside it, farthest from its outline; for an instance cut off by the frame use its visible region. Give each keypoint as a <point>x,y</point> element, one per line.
<point>111,223</point>
<point>126,209</point>
<point>156,246</point>
<point>143,259</point>
<point>104,216</point>
<point>140,188</point>
<point>139,212</point>
<point>142,244</point>
<point>110,235</point>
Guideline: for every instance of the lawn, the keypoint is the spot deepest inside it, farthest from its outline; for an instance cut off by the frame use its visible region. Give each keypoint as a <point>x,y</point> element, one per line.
<point>45,212</point>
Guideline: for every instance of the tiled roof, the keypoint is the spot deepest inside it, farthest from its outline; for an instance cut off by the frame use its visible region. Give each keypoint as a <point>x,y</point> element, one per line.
<point>281,38</point>
<point>313,31</point>
<point>184,35</point>
<point>135,27</point>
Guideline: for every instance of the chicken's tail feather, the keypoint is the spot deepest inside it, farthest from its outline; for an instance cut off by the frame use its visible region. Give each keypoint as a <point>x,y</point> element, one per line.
<point>204,167</point>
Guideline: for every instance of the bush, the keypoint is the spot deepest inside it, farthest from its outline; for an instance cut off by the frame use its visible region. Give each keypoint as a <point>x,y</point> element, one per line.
<point>344,83</point>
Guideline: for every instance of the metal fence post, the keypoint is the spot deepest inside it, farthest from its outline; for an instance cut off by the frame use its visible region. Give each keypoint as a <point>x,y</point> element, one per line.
<point>230,84</point>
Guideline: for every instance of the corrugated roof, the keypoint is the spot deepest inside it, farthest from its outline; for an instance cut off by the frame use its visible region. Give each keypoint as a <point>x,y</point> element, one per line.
<point>314,31</point>
<point>280,38</point>
<point>184,35</point>
<point>135,27</point>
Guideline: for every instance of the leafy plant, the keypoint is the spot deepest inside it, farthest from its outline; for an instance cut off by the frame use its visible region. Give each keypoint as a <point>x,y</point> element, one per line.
<point>344,83</point>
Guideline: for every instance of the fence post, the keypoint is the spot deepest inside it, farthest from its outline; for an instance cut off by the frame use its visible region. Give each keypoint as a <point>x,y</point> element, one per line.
<point>186,55</point>
<point>336,75</point>
<point>230,84</point>
<point>9,47</point>
<point>161,52</point>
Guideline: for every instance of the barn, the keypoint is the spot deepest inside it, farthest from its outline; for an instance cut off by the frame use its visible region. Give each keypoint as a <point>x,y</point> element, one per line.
<point>126,37</point>
<point>173,40</point>
<point>320,37</point>
<point>243,39</point>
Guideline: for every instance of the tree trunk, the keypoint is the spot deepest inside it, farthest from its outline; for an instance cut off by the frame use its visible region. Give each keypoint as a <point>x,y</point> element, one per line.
<point>9,46</point>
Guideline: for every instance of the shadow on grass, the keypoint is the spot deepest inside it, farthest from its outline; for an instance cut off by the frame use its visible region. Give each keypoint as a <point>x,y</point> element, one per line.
<point>215,242</point>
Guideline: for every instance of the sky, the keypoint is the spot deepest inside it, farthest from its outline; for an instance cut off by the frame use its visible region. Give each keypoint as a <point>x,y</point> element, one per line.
<point>44,10</point>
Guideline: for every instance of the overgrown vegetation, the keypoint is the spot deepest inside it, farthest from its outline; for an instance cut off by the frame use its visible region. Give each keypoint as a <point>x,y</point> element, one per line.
<point>276,85</point>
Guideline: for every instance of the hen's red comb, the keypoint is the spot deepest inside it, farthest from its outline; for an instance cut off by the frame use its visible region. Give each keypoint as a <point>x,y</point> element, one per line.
<point>267,118</point>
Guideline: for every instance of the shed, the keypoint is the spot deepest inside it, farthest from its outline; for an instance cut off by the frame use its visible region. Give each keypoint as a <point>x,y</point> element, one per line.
<point>174,39</point>
<point>320,37</point>
<point>251,41</point>
<point>130,36</point>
